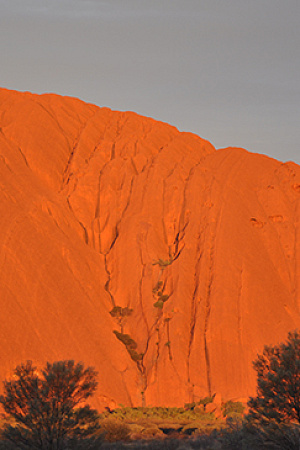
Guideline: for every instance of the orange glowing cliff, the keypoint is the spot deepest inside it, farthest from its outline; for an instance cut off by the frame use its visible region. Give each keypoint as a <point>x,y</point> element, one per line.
<point>142,251</point>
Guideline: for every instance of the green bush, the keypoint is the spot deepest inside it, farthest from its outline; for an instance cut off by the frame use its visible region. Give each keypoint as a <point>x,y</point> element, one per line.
<point>126,340</point>
<point>278,386</point>
<point>135,356</point>
<point>151,432</point>
<point>41,408</point>
<point>231,408</point>
<point>163,262</point>
<point>119,312</point>
<point>130,345</point>
<point>157,287</point>
<point>159,304</point>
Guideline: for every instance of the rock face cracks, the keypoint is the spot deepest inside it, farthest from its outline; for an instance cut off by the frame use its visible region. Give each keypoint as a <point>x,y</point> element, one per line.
<point>142,251</point>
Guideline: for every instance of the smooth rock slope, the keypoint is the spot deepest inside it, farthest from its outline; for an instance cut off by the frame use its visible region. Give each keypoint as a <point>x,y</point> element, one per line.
<point>142,251</point>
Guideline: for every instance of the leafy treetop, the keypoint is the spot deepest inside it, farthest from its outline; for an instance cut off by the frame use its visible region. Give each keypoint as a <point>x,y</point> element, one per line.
<point>278,383</point>
<point>46,406</point>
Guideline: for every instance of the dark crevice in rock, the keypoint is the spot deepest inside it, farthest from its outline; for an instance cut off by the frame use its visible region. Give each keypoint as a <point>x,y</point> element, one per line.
<point>67,170</point>
<point>106,286</point>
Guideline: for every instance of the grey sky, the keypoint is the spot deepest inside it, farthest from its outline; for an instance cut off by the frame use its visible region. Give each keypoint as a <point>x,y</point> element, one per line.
<point>227,70</point>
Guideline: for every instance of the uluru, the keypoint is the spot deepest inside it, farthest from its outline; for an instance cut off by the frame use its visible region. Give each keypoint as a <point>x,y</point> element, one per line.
<point>141,251</point>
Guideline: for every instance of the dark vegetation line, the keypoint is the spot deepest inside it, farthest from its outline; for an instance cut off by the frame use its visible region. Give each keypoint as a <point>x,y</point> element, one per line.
<point>47,409</point>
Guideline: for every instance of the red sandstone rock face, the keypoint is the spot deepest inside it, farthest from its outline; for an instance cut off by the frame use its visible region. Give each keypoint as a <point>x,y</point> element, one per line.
<point>103,210</point>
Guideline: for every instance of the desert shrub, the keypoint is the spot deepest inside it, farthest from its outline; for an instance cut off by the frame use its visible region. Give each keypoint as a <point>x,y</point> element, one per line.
<point>239,434</point>
<point>119,312</point>
<point>164,417</point>
<point>126,340</point>
<point>278,386</point>
<point>135,356</point>
<point>130,345</point>
<point>44,410</point>
<point>135,431</point>
<point>235,436</point>
<point>151,432</point>
<point>163,263</point>
<point>115,430</point>
<point>200,428</point>
<point>232,409</point>
<point>159,304</point>
<point>283,437</point>
<point>206,400</point>
<point>189,429</point>
<point>201,404</point>
<point>274,414</point>
<point>274,436</point>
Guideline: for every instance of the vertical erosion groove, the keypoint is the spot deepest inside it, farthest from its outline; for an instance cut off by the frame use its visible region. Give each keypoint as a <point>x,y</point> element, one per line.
<point>207,314</point>
<point>140,364</point>
<point>142,309</point>
<point>97,207</point>
<point>24,157</point>
<point>106,286</point>
<point>212,228</point>
<point>239,316</point>
<point>207,361</point>
<point>194,308</point>
<point>167,323</point>
<point>67,171</point>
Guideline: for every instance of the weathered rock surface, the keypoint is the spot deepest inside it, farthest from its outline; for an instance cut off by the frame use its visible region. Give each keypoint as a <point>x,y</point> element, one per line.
<point>114,222</point>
